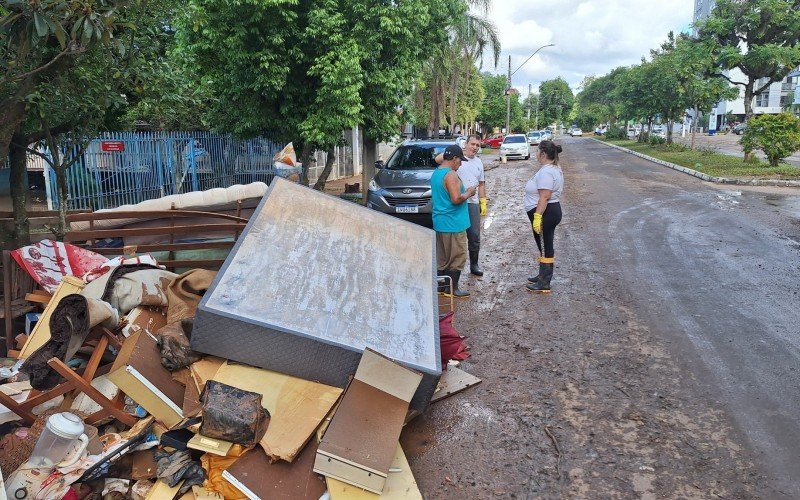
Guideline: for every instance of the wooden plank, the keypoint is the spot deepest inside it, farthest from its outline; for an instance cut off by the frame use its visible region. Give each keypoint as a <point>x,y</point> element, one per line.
<point>400,484</point>
<point>90,391</point>
<point>98,234</point>
<point>387,376</point>
<point>296,406</point>
<point>162,491</point>
<point>14,406</point>
<point>151,214</point>
<point>41,332</point>
<point>7,310</point>
<point>39,299</point>
<point>453,381</point>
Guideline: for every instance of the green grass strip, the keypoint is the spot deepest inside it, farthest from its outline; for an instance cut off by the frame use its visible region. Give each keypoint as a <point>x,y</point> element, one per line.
<point>711,162</point>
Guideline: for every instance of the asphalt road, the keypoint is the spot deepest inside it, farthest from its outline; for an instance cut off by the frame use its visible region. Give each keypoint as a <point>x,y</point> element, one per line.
<point>664,364</point>
<point>716,272</point>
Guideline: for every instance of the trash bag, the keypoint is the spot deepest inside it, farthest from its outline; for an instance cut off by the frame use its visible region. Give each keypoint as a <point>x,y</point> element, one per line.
<point>173,343</point>
<point>173,467</point>
<point>231,414</point>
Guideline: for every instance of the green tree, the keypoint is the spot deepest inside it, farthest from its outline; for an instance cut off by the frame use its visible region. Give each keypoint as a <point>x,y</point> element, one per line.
<point>493,110</point>
<point>778,136</point>
<point>556,100</point>
<point>305,70</point>
<point>760,38</point>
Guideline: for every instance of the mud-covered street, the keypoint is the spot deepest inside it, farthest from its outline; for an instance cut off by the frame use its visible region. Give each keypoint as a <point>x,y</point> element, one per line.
<point>664,363</point>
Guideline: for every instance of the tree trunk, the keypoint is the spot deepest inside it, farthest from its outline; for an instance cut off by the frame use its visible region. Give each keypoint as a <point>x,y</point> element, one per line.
<point>694,124</point>
<point>323,177</point>
<point>63,197</point>
<point>305,160</point>
<point>669,131</point>
<point>19,192</point>
<point>748,113</point>
<point>368,169</point>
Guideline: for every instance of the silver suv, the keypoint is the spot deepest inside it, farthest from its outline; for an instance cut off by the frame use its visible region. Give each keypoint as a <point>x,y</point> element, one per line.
<point>402,187</point>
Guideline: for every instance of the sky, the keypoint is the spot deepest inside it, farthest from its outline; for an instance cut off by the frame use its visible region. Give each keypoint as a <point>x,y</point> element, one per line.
<point>591,37</point>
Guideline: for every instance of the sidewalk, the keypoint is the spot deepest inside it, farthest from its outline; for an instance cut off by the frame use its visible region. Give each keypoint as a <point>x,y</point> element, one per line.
<point>727,144</point>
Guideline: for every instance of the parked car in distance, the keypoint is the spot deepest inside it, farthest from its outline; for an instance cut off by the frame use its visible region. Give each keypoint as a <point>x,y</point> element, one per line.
<point>402,188</point>
<point>493,141</point>
<point>632,132</point>
<point>600,130</point>
<point>576,132</point>
<point>534,138</point>
<point>739,129</point>
<point>659,131</point>
<point>547,134</point>
<point>515,146</point>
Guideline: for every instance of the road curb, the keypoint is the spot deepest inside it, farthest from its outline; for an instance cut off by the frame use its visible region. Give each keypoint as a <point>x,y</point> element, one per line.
<point>706,177</point>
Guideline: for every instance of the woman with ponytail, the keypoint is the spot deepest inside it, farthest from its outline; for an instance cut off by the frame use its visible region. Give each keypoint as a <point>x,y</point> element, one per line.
<point>542,194</point>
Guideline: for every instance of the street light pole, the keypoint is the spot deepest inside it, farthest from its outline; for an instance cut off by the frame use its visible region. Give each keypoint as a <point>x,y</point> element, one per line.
<point>508,98</point>
<point>528,120</point>
<point>508,87</point>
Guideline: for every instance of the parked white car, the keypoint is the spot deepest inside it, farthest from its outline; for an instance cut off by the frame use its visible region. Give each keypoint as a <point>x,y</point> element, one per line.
<point>515,146</point>
<point>576,132</point>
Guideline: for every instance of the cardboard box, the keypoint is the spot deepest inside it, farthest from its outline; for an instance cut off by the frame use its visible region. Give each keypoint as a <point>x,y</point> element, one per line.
<point>360,444</point>
<point>137,371</point>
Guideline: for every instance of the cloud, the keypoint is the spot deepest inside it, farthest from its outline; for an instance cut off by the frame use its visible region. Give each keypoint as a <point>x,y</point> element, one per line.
<point>591,37</point>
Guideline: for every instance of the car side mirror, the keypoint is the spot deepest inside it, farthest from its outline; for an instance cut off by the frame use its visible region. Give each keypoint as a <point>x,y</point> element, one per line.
<point>379,164</point>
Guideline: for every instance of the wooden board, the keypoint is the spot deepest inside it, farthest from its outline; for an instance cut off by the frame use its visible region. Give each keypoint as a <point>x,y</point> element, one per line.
<point>162,491</point>
<point>386,376</point>
<point>453,381</point>
<point>256,477</point>
<point>296,406</point>
<point>204,370</point>
<point>400,485</point>
<point>41,332</point>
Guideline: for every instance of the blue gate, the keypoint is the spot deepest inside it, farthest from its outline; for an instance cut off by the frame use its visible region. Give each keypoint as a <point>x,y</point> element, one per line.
<point>121,168</point>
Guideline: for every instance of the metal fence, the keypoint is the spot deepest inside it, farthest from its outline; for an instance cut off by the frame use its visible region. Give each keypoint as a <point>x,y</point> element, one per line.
<point>129,167</point>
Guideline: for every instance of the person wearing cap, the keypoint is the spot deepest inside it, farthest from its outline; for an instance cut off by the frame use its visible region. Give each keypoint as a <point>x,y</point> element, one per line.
<point>451,216</point>
<point>472,174</point>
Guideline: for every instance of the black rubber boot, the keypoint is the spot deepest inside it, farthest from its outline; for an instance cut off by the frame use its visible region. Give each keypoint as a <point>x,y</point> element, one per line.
<point>443,285</point>
<point>534,279</point>
<point>473,264</point>
<point>542,285</point>
<point>457,292</point>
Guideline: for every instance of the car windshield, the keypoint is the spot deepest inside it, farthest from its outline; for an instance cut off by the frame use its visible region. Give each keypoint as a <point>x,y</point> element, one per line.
<point>415,157</point>
<point>534,134</point>
<point>514,139</point>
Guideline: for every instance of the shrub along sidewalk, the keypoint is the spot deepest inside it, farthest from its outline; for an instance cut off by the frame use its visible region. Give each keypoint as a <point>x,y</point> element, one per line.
<point>710,162</point>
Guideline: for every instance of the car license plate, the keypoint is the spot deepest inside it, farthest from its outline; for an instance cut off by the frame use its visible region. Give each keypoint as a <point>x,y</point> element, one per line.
<point>407,209</point>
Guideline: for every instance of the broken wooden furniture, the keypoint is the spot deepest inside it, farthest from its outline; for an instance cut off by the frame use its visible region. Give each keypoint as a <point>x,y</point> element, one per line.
<point>78,382</point>
<point>167,232</point>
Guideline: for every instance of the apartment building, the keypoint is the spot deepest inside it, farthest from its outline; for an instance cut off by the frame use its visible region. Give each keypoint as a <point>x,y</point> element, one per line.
<point>775,99</point>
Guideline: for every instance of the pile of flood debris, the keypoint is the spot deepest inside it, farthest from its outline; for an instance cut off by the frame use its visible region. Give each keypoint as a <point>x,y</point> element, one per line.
<point>290,373</point>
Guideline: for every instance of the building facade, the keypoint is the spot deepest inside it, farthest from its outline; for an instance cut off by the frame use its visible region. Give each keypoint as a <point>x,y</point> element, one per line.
<point>777,98</point>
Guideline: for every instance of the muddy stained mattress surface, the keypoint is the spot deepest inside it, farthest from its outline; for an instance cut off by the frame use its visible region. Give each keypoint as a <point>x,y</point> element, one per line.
<point>314,280</point>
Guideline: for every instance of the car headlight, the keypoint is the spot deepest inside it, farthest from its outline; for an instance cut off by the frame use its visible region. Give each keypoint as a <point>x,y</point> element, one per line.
<point>373,186</point>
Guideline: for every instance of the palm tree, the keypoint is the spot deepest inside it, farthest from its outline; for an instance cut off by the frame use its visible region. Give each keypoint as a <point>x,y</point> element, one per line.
<point>469,36</point>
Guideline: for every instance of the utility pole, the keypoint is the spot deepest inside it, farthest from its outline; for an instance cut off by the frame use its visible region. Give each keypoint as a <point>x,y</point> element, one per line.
<point>529,105</point>
<point>508,87</point>
<point>508,98</point>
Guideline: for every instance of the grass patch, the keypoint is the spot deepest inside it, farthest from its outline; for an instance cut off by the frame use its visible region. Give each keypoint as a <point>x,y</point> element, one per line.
<point>710,162</point>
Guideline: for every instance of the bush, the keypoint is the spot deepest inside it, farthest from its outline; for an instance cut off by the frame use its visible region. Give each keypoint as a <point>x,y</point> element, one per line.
<point>616,133</point>
<point>778,136</point>
<point>655,140</point>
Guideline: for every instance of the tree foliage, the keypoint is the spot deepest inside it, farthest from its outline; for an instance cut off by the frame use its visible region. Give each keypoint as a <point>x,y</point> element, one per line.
<point>778,136</point>
<point>556,101</point>
<point>760,38</point>
<point>493,110</point>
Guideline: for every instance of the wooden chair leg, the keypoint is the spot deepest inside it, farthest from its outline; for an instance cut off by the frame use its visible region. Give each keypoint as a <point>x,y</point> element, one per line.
<point>90,391</point>
<point>14,406</point>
